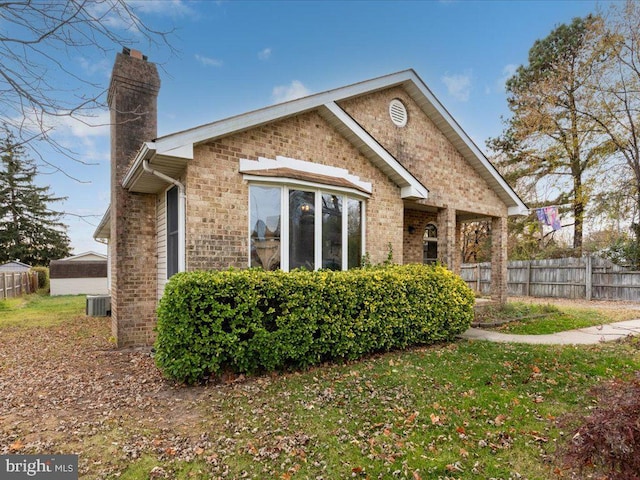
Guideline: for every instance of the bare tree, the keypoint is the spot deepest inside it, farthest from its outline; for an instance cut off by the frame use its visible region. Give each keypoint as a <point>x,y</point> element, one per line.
<point>41,43</point>
<point>617,85</point>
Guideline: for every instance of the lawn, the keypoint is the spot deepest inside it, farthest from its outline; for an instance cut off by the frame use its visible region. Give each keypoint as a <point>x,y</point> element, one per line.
<point>526,318</point>
<point>464,410</point>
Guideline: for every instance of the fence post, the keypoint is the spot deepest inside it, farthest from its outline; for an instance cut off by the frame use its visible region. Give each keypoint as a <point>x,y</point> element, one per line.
<point>528,285</point>
<point>4,286</point>
<point>588,279</point>
<point>478,283</point>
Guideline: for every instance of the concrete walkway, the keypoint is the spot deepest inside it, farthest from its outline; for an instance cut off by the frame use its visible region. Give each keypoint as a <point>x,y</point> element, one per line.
<point>581,336</point>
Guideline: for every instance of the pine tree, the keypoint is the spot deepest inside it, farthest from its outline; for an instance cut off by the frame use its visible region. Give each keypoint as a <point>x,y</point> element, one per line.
<point>549,140</point>
<point>29,231</point>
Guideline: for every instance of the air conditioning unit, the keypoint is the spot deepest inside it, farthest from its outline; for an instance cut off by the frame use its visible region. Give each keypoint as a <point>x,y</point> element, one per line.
<point>98,305</point>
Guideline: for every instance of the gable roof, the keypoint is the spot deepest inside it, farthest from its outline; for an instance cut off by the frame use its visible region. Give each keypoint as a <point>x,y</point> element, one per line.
<point>170,154</point>
<point>14,264</point>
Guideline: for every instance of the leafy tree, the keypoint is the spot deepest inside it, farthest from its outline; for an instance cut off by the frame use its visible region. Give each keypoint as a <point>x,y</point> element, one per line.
<point>547,140</point>
<point>29,231</point>
<point>476,242</point>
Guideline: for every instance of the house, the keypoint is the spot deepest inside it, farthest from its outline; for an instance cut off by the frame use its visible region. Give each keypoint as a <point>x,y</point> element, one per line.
<point>15,266</point>
<point>317,182</point>
<point>85,273</point>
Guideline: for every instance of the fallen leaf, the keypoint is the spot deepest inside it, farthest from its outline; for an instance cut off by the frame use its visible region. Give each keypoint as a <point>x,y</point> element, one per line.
<point>15,446</point>
<point>411,418</point>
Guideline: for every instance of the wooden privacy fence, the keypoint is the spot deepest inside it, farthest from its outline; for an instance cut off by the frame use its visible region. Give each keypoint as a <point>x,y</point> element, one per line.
<point>14,284</point>
<point>586,277</point>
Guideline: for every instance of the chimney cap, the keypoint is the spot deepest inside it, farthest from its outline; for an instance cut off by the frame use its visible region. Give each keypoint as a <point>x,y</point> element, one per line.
<point>134,53</point>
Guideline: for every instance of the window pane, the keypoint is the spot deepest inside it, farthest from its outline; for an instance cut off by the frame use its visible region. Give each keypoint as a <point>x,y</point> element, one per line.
<point>354,222</point>
<point>430,244</point>
<point>172,232</point>
<point>331,232</point>
<point>265,227</point>
<point>301,229</point>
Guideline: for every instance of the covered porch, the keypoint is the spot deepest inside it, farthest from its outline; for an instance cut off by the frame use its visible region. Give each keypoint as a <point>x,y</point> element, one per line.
<point>434,234</point>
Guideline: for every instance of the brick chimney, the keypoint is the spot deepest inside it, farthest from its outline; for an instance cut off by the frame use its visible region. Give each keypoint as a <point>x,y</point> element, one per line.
<point>132,99</point>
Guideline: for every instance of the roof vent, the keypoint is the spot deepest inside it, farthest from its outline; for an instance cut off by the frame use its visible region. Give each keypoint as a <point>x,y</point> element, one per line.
<point>398,113</point>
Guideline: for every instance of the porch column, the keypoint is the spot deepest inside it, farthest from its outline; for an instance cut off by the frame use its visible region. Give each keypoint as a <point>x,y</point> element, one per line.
<point>447,239</point>
<point>457,249</point>
<point>499,259</point>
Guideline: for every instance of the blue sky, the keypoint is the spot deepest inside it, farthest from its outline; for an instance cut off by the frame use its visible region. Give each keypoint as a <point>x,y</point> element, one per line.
<point>233,57</point>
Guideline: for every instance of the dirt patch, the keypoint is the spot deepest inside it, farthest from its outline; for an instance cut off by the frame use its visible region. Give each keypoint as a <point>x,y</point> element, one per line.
<point>68,388</point>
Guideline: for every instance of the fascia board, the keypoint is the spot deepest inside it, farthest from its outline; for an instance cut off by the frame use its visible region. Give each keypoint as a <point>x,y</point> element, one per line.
<point>106,218</point>
<point>518,210</point>
<point>146,152</point>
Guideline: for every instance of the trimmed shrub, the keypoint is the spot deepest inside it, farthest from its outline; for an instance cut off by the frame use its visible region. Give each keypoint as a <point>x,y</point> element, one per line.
<point>252,320</point>
<point>43,277</point>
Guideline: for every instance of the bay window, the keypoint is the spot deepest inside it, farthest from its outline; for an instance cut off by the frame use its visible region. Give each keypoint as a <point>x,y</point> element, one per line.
<point>308,227</point>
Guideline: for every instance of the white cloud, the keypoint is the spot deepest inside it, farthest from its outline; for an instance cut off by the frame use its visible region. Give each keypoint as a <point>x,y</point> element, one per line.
<point>172,8</point>
<point>458,85</point>
<point>507,72</point>
<point>208,61</point>
<point>94,126</point>
<point>264,54</point>
<point>284,93</point>
<point>90,67</point>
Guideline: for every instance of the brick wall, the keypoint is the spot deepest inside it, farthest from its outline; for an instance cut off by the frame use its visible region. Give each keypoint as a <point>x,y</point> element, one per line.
<point>218,198</point>
<point>132,102</point>
<point>416,221</point>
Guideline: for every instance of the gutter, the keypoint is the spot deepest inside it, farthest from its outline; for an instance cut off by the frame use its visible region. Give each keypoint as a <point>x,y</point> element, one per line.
<point>182,210</point>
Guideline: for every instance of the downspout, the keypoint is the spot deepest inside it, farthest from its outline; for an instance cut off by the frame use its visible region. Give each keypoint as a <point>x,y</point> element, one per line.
<point>182,211</point>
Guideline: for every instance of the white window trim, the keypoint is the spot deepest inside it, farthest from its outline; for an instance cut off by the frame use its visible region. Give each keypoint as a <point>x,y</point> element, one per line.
<point>181,230</point>
<point>286,186</point>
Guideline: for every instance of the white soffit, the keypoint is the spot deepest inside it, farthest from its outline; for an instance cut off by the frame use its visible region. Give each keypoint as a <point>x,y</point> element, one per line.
<point>171,163</point>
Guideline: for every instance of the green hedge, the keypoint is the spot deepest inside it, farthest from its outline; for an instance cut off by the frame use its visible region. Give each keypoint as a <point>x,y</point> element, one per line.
<point>43,276</point>
<point>252,320</point>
